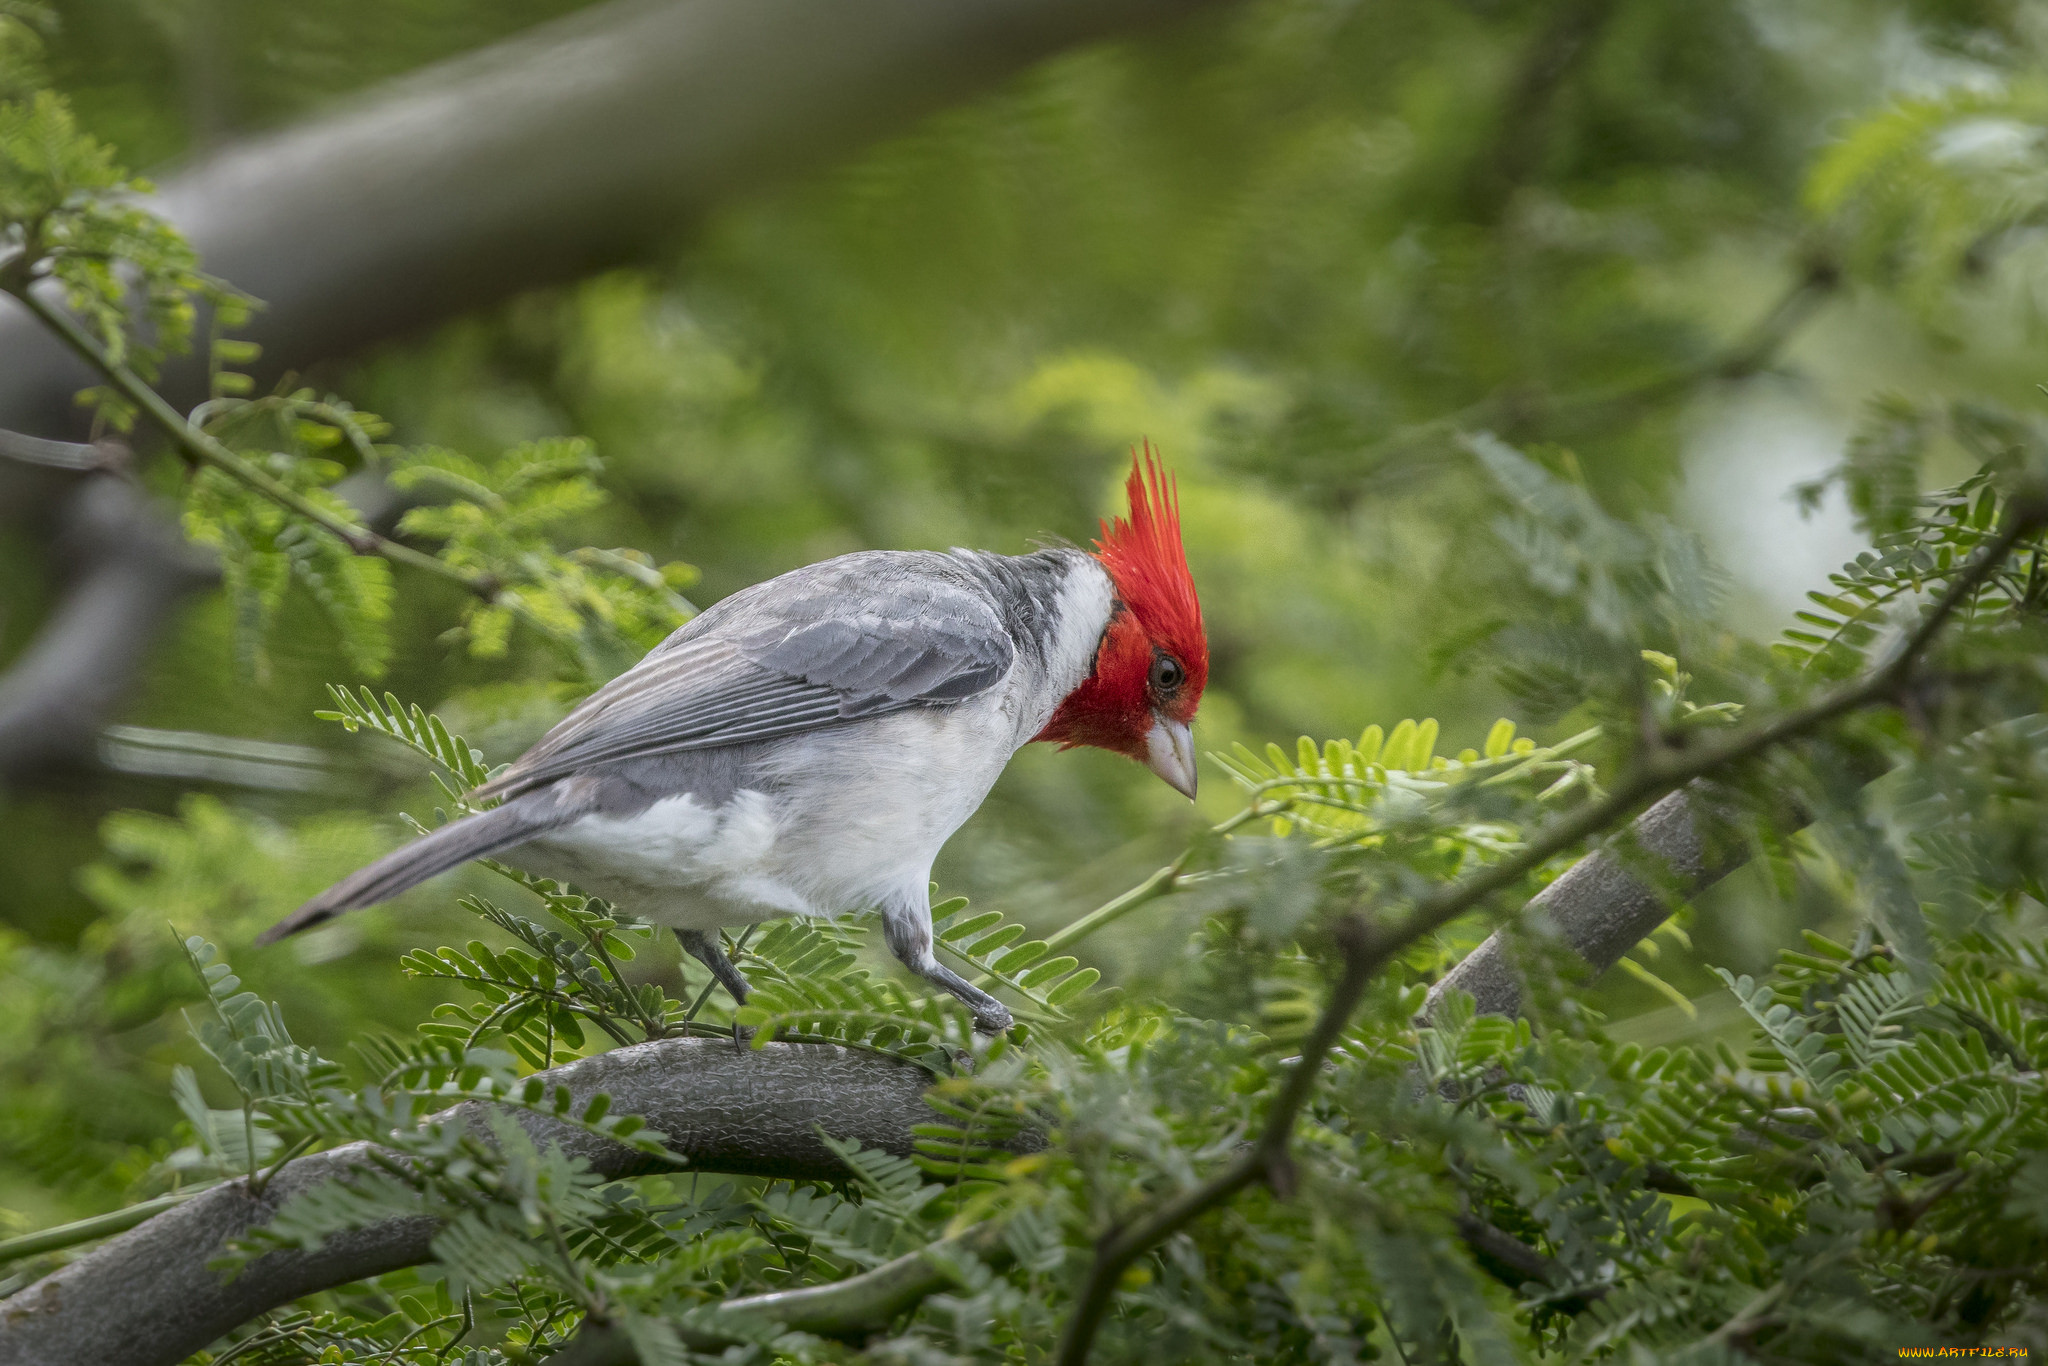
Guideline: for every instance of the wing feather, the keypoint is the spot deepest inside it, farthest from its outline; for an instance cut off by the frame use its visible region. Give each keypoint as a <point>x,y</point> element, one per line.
<point>853,637</point>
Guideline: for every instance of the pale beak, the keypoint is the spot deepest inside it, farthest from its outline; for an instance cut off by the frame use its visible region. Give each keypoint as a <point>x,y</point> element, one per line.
<point>1170,752</point>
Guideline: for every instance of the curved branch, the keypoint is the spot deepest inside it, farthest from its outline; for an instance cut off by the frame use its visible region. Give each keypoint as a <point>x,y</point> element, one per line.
<point>134,569</point>
<point>194,442</point>
<point>1367,947</point>
<point>148,1298</point>
<point>850,1309</point>
<point>586,143</point>
<point>1521,413</point>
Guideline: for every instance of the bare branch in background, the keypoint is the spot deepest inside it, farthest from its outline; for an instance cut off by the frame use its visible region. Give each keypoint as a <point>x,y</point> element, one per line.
<point>58,455</point>
<point>1521,413</point>
<point>134,569</point>
<point>1561,44</point>
<point>584,144</point>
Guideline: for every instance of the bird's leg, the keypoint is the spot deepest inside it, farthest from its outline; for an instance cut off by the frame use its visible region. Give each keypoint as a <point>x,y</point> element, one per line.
<point>908,930</point>
<point>703,946</point>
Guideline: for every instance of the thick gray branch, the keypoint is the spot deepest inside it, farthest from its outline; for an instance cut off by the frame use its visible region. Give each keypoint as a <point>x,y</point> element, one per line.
<point>132,570</point>
<point>1598,906</point>
<point>147,1298</point>
<point>581,145</point>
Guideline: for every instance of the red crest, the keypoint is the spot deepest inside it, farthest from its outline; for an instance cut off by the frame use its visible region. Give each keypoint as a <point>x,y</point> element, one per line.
<point>1158,618</point>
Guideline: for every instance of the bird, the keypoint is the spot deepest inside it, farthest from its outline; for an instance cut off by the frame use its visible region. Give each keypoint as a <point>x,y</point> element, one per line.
<point>806,745</point>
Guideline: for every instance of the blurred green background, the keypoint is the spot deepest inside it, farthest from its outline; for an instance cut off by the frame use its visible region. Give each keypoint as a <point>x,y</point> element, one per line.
<point>1298,245</point>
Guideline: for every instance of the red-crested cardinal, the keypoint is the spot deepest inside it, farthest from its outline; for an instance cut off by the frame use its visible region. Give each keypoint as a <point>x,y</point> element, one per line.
<point>806,745</point>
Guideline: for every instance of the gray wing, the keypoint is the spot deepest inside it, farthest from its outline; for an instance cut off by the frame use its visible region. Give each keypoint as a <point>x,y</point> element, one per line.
<point>857,636</point>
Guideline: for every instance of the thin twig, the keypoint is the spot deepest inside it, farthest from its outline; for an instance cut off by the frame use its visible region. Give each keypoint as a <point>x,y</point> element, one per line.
<point>261,1179</point>
<point>843,1309</point>
<point>1367,948</point>
<point>1519,410</point>
<point>58,455</point>
<point>199,446</point>
<point>88,1230</point>
<point>1266,1160</point>
<point>1161,883</point>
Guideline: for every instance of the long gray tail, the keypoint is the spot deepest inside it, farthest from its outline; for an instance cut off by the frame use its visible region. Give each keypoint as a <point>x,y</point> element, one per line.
<point>478,836</point>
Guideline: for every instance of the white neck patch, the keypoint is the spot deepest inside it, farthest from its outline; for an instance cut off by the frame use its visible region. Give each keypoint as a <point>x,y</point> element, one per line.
<point>1086,600</point>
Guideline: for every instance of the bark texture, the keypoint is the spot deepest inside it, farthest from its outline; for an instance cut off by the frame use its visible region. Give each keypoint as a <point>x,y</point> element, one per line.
<point>1598,906</point>
<point>148,1298</point>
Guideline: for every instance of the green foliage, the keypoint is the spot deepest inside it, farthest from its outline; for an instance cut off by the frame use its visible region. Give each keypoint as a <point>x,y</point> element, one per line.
<point>262,487</point>
<point>413,727</point>
<point>604,608</point>
<point>808,985</point>
<point>615,604</point>
<point>535,997</point>
<point>67,214</point>
<point>1859,1177</point>
<point>1363,793</point>
<point>1902,568</point>
<point>1930,188</point>
<point>22,24</point>
<point>246,1037</point>
<point>985,943</point>
<point>1271,247</point>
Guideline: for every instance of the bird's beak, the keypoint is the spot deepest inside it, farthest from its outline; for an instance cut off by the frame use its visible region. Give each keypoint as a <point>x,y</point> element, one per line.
<point>1170,752</point>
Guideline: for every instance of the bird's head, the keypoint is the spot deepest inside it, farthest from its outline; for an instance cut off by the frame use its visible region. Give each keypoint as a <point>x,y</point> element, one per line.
<point>1153,662</point>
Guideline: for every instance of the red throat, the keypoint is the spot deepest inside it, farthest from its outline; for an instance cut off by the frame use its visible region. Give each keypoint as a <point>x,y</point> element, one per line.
<point>1155,629</point>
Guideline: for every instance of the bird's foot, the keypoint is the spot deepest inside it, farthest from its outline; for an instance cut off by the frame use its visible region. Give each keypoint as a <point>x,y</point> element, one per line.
<point>990,1016</point>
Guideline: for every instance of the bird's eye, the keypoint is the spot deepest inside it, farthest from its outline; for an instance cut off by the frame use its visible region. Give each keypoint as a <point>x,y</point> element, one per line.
<point>1167,675</point>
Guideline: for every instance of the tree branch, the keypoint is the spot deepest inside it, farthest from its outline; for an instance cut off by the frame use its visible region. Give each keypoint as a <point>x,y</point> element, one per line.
<point>147,1298</point>
<point>57,455</point>
<point>587,143</point>
<point>134,568</point>
<point>196,445</point>
<point>1367,947</point>
<point>1517,1263</point>
<point>1597,906</point>
<point>849,1309</point>
<point>1519,413</point>
<point>1524,125</point>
